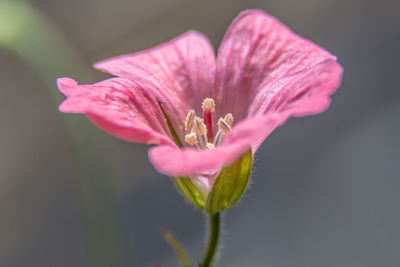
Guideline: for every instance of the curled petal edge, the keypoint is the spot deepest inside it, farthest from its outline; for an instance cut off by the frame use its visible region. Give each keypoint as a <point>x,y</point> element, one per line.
<point>248,134</point>
<point>106,120</point>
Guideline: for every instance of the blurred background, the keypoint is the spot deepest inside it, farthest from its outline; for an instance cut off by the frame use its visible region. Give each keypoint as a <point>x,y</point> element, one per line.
<point>325,190</point>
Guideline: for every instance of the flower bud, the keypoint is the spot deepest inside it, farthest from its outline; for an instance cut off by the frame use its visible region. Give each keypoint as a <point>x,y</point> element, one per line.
<point>223,192</point>
<point>230,184</point>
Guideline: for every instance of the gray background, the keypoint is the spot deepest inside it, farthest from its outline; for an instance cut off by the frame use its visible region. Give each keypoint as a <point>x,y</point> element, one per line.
<point>325,190</point>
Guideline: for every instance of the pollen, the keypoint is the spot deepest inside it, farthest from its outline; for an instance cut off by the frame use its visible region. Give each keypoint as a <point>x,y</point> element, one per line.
<point>199,127</point>
<point>208,103</point>
<point>223,126</point>
<point>191,139</point>
<point>189,120</point>
<point>229,119</point>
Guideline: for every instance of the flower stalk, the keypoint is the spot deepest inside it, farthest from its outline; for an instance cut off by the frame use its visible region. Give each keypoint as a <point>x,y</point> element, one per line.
<point>215,229</point>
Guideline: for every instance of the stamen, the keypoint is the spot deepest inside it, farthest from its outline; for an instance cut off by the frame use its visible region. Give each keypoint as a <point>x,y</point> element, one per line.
<point>199,127</point>
<point>201,130</point>
<point>218,138</point>
<point>189,120</point>
<point>223,126</point>
<point>191,139</point>
<point>202,140</point>
<point>229,119</point>
<point>208,103</point>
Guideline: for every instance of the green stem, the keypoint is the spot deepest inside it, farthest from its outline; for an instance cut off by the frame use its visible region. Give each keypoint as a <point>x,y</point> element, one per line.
<point>215,226</point>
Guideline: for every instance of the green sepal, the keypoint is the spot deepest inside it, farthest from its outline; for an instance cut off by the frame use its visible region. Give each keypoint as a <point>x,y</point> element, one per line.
<point>230,184</point>
<point>190,191</point>
<point>170,126</point>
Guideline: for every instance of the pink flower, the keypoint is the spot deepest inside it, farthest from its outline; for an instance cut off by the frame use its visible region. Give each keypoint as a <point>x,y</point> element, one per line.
<point>219,108</point>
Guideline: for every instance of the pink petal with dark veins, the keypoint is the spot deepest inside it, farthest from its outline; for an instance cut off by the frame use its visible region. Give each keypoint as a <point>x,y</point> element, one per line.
<point>180,73</point>
<point>119,106</point>
<point>264,74</point>
<point>264,67</point>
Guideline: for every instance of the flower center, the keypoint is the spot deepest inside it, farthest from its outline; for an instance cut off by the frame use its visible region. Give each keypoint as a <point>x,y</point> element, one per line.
<point>201,131</point>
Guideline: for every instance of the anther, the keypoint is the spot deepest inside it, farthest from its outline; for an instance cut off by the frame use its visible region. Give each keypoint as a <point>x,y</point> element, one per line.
<point>191,139</point>
<point>208,103</point>
<point>199,127</point>
<point>201,130</point>
<point>189,120</point>
<point>223,126</point>
<point>229,119</point>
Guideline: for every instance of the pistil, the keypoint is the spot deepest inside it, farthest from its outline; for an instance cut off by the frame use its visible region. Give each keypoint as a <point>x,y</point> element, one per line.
<point>208,108</point>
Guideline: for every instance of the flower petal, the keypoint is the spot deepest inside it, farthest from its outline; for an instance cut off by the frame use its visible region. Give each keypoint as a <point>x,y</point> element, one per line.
<point>246,135</point>
<point>180,73</point>
<point>174,161</point>
<point>119,106</point>
<point>263,67</point>
<point>254,130</point>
